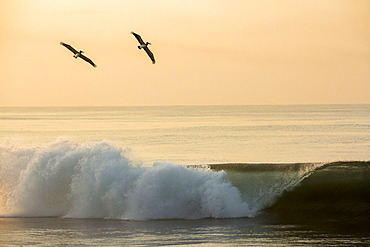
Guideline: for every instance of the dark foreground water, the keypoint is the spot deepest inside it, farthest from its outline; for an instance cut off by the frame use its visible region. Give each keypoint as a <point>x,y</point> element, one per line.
<point>205,232</point>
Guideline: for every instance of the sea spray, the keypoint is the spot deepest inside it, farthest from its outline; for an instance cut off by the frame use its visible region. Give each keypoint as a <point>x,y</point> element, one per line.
<point>67,179</point>
<point>168,191</point>
<point>13,160</point>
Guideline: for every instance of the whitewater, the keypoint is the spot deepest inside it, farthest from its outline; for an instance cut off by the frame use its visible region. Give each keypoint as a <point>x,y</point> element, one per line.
<point>66,179</point>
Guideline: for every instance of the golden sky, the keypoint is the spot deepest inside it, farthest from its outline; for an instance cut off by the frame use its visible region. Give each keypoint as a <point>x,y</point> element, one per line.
<point>208,52</point>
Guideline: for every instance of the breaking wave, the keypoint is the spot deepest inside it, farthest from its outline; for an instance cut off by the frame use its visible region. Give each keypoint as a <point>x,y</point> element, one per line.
<point>98,180</point>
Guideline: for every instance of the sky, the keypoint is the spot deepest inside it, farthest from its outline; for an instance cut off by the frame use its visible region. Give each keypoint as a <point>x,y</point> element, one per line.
<point>208,52</point>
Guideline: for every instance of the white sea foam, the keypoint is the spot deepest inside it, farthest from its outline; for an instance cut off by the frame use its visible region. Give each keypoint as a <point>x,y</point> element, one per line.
<point>67,179</point>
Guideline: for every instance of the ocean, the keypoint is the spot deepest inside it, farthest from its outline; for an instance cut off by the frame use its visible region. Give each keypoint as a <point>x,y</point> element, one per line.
<point>289,175</point>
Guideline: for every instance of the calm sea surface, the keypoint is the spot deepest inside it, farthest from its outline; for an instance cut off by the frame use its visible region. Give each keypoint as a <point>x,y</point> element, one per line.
<point>191,135</point>
<point>120,176</point>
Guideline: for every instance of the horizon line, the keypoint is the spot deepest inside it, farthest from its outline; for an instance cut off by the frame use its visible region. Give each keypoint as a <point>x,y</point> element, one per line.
<point>178,105</point>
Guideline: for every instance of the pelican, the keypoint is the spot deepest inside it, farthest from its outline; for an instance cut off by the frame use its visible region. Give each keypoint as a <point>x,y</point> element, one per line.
<point>78,54</point>
<point>144,46</point>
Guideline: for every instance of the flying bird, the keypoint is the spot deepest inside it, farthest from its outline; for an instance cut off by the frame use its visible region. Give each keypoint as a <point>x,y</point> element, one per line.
<point>78,54</point>
<point>144,46</point>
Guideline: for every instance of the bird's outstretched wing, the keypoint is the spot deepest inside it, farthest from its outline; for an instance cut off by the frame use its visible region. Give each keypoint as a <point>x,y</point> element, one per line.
<point>69,47</point>
<point>88,60</point>
<point>138,37</point>
<point>150,54</point>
